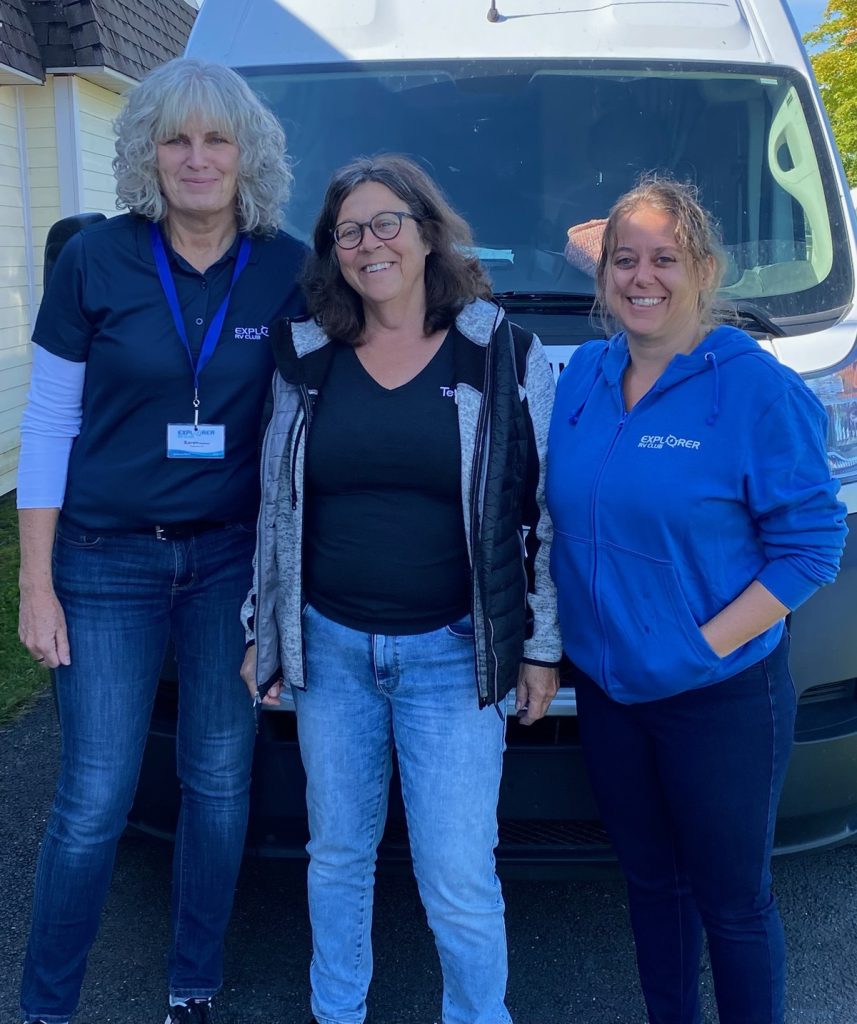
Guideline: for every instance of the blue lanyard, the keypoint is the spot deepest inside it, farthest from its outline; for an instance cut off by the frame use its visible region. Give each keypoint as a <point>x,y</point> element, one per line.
<point>212,334</point>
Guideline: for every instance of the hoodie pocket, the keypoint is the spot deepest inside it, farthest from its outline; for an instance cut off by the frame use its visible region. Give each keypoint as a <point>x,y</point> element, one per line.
<point>654,647</point>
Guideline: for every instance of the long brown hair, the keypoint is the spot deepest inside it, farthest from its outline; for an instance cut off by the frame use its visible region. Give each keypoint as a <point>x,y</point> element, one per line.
<point>453,276</point>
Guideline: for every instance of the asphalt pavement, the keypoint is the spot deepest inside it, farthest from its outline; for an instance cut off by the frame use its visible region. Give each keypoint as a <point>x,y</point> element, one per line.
<point>571,957</point>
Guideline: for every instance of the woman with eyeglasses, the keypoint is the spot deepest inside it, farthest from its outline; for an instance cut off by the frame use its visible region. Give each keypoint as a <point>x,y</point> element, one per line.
<point>404,459</point>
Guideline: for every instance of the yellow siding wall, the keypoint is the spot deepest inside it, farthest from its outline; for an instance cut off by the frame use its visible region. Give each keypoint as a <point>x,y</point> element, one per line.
<point>19,283</point>
<point>98,110</point>
<point>14,290</point>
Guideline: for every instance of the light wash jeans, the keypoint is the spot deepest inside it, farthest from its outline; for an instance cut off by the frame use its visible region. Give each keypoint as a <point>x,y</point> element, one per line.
<point>366,694</point>
<point>123,596</point>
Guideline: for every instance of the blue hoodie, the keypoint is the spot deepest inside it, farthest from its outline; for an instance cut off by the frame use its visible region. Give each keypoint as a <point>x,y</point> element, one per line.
<point>665,514</point>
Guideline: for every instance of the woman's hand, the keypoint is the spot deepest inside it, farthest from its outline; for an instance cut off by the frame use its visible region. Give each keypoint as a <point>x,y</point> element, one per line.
<point>41,620</point>
<point>248,674</point>
<point>537,686</point>
<point>42,626</point>
<point>748,616</point>
<point>248,670</point>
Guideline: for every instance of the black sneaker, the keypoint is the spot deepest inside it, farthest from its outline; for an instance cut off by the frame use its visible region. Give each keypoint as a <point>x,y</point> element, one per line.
<point>197,1011</point>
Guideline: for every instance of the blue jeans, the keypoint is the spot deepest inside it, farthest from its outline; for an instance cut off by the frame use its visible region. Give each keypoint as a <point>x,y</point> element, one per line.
<point>366,694</point>
<point>688,789</point>
<point>123,596</point>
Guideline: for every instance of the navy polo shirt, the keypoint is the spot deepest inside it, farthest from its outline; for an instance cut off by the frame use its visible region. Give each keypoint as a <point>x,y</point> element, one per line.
<point>105,306</point>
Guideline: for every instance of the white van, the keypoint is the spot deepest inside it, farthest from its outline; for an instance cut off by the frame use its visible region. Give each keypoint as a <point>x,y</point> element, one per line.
<point>534,115</point>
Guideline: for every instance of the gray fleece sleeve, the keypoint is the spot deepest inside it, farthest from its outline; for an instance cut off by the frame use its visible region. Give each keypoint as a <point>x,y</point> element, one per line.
<point>545,644</point>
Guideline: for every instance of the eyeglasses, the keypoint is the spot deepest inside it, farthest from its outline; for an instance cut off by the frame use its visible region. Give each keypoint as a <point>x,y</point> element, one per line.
<point>384,226</point>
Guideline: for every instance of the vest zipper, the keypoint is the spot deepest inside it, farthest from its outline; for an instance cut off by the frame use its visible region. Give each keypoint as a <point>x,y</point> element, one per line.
<point>488,655</point>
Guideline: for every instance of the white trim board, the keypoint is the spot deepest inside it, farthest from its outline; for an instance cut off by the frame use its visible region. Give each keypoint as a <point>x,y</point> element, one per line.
<point>69,163</point>
<point>24,171</point>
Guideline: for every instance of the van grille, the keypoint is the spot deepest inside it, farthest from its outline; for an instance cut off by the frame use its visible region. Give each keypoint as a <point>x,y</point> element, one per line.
<point>827,711</point>
<point>829,691</point>
<point>560,834</point>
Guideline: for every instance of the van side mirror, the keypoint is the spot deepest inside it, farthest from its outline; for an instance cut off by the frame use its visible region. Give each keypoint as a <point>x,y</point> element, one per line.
<point>60,233</point>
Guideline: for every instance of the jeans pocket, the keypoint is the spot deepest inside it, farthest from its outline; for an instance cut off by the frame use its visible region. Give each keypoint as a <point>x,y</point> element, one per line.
<point>247,527</point>
<point>76,538</point>
<point>462,629</point>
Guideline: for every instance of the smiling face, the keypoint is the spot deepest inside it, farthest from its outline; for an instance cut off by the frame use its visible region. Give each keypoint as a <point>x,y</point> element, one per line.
<point>198,172</point>
<point>652,286</point>
<point>383,272</point>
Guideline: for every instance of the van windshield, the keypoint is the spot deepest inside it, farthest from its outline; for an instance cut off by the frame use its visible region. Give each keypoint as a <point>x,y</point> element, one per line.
<point>531,153</point>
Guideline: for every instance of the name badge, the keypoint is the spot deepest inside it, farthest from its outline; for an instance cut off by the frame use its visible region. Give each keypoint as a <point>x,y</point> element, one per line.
<point>196,441</point>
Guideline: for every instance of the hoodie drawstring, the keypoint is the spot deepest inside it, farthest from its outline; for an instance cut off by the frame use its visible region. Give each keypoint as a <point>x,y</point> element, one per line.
<point>711,419</point>
<point>575,416</point>
<point>578,412</point>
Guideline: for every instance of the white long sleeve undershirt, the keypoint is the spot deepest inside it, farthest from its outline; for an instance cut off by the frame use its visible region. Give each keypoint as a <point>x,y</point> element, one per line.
<point>50,423</point>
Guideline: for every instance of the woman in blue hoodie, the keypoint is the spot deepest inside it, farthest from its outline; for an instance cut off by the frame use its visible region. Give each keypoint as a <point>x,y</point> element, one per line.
<point>693,508</point>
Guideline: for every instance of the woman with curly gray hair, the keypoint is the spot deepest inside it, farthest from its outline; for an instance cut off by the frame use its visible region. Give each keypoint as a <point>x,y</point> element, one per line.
<point>138,493</point>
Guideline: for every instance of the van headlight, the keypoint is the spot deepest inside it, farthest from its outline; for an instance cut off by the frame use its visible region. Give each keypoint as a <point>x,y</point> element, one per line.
<point>837,392</point>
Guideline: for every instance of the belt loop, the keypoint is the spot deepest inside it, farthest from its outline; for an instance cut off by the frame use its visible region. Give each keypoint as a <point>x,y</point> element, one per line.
<point>159,533</point>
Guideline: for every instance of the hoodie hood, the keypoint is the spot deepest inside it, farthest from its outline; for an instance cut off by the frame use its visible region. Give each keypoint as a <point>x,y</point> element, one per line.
<point>724,343</point>
<point>717,348</point>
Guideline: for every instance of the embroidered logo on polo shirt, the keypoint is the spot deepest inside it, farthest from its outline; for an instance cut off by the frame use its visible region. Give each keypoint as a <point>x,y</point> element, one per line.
<point>251,333</point>
<point>670,441</point>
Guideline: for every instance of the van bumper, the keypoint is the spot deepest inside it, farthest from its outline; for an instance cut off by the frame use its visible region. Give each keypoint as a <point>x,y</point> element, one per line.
<point>819,803</point>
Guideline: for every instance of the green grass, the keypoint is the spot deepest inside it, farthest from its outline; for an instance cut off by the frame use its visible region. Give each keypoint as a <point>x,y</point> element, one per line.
<point>20,677</point>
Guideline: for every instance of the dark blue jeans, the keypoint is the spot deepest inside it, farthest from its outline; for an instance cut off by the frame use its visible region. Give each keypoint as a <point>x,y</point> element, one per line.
<point>688,789</point>
<point>123,596</point>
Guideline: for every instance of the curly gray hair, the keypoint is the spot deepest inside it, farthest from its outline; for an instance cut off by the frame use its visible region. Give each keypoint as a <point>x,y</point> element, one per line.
<point>186,90</point>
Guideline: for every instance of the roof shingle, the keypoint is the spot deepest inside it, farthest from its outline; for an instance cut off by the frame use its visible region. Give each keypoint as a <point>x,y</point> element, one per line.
<point>127,36</point>
<point>18,47</point>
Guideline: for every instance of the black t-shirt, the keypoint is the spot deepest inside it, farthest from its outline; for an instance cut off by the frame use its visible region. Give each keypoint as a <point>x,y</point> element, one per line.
<point>384,542</point>
<point>105,306</point>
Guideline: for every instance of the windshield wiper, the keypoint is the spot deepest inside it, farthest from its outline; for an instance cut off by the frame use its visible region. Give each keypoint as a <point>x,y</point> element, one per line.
<point>745,314</point>
<point>547,302</point>
<point>742,313</point>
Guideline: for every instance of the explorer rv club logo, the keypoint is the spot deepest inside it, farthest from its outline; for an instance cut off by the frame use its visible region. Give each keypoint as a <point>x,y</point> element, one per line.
<point>670,441</point>
<point>251,333</point>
